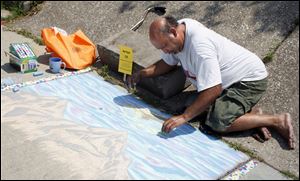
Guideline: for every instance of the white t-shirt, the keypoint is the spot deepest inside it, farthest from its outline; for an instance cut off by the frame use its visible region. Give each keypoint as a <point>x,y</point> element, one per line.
<point>209,59</point>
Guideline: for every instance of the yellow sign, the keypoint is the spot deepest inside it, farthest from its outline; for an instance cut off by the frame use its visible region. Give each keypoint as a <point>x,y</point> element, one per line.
<point>126,60</point>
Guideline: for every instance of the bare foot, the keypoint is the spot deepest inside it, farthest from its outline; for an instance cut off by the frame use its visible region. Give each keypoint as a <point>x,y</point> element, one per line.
<point>285,128</point>
<point>265,134</point>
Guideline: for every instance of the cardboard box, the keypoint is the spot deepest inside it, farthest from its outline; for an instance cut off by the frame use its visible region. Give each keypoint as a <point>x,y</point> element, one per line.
<point>22,57</point>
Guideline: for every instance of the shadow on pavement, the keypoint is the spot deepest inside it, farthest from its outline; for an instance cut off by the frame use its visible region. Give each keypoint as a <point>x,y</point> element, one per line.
<point>44,59</point>
<point>8,68</point>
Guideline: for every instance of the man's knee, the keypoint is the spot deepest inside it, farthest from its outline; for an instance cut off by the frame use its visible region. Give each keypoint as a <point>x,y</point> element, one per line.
<point>220,119</point>
<point>224,113</point>
<point>218,123</point>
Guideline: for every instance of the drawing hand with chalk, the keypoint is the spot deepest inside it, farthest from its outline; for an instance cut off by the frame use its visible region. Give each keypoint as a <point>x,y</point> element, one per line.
<point>172,123</point>
<point>133,80</point>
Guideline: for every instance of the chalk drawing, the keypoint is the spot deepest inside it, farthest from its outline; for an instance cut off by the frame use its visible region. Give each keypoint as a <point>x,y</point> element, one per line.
<point>185,153</point>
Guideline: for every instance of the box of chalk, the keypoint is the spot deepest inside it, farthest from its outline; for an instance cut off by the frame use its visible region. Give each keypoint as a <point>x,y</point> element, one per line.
<point>22,57</point>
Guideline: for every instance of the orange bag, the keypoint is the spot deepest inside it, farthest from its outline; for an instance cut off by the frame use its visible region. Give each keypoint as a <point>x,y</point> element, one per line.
<point>76,50</point>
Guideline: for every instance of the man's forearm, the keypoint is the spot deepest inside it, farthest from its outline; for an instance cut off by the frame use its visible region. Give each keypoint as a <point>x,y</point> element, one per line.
<point>156,69</point>
<point>204,99</point>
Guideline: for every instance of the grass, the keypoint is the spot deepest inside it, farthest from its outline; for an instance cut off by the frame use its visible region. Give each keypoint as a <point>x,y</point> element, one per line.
<point>289,174</point>
<point>16,9</point>
<point>104,72</point>
<point>241,148</point>
<point>269,57</point>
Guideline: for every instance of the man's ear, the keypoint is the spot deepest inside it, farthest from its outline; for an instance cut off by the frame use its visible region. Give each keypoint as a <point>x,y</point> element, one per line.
<point>173,31</point>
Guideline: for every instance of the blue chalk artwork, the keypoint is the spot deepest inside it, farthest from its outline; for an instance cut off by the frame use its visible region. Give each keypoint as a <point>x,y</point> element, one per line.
<point>185,153</point>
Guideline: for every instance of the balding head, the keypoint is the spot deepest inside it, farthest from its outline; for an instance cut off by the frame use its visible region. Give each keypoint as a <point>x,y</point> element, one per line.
<point>156,27</point>
<point>164,34</point>
<point>161,26</point>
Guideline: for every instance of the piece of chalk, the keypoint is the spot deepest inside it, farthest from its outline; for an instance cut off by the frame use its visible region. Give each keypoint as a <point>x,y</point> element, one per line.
<point>162,133</point>
<point>37,73</point>
<point>16,89</point>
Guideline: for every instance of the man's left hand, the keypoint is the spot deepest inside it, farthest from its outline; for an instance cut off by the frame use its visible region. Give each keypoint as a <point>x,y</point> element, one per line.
<point>172,123</point>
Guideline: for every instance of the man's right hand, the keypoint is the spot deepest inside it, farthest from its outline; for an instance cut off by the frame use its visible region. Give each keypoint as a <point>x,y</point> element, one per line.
<point>158,68</point>
<point>133,80</point>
